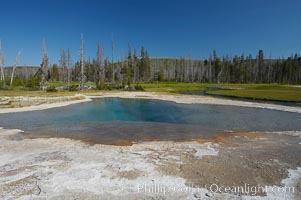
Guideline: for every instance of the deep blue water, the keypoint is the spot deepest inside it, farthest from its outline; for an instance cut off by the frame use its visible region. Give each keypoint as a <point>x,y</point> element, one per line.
<point>110,119</point>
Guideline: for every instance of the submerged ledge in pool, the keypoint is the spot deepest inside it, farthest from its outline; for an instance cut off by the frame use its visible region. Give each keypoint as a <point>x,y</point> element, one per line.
<point>111,120</point>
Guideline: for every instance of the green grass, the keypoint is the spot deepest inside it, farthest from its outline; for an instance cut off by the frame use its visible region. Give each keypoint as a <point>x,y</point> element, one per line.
<point>263,92</point>
<point>274,92</point>
<point>172,87</point>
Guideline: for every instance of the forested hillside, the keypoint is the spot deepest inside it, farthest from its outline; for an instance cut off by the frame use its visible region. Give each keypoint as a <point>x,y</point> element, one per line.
<point>140,68</point>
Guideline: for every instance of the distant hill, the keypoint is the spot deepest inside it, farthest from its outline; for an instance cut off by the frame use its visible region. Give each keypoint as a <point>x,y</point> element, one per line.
<point>21,71</point>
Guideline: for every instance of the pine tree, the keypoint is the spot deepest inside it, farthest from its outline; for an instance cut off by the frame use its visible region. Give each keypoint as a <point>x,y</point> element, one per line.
<point>55,72</point>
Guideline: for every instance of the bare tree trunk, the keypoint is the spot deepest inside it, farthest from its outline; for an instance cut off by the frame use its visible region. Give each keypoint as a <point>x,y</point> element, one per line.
<point>100,67</point>
<point>17,61</point>
<point>44,66</point>
<point>82,61</point>
<point>68,68</point>
<point>12,75</point>
<point>63,76</point>
<point>113,68</point>
<point>2,77</point>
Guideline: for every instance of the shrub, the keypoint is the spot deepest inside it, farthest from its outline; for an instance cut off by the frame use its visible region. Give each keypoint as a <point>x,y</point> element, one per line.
<point>100,85</point>
<point>18,82</point>
<point>73,88</point>
<point>33,83</point>
<point>51,89</point>
<point>139,88</point>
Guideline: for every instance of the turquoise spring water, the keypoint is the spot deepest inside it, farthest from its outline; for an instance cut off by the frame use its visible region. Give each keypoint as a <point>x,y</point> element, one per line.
<point>109,120</point>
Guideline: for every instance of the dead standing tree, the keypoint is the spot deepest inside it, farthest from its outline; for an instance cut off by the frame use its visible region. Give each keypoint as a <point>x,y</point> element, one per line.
<point>100,66</point>
<point>113,67</point>
<point>81,54</point>
<point>63,63</point>
<point>44,66</point>
<point>17,61</point>
<point>69,63</point>
<point>43,70</point>
<point>2,78</point>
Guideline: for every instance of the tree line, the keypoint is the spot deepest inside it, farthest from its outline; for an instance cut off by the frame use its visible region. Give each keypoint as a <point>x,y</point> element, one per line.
<point>238,69</point>
<point>137,67</point>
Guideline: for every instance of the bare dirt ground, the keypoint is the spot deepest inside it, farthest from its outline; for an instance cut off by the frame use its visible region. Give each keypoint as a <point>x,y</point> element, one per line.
<point>58,168</point>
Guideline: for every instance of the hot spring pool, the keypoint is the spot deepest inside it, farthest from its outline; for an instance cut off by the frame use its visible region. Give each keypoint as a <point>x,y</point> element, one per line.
<point>107,120</point>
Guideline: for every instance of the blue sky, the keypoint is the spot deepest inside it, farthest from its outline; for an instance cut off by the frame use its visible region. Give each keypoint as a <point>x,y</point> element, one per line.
<point>167,28</point>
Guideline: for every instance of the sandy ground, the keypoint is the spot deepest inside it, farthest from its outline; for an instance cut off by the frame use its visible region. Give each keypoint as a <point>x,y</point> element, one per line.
<point>236,166</point>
